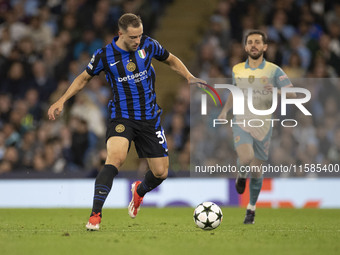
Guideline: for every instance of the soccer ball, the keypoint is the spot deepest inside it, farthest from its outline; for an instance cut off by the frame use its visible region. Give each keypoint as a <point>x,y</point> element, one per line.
<point>208,215</point>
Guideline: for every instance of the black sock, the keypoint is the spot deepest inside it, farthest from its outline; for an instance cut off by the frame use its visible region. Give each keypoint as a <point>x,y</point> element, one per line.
<point>149,183</point>
<point>102,187</point>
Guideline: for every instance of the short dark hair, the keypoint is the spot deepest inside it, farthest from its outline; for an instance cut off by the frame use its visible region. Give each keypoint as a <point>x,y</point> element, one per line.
<point>256,32</point>
<point>129,19</point>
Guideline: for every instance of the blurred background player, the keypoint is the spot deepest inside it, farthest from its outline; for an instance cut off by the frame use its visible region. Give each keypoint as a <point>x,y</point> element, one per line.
<point>134,112</point>
<point>252,143</point>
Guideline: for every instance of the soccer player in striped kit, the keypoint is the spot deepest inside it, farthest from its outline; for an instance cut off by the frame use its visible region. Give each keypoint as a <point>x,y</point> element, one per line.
<point>134,112</point>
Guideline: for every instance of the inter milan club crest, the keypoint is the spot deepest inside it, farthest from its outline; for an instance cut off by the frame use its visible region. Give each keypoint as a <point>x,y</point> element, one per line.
<point>131,66</point>
<point>120,128</point>
<point>142,54</point>
<point>251,78</point>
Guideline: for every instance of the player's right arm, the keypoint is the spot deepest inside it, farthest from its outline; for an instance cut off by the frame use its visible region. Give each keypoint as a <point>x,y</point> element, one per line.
<point>77,85</point>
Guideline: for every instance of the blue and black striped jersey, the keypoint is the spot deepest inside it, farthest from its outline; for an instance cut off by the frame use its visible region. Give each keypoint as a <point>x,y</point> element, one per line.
<point>131,76</point>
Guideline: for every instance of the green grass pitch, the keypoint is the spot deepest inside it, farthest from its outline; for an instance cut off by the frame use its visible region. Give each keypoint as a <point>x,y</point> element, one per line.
<point>169,231</point>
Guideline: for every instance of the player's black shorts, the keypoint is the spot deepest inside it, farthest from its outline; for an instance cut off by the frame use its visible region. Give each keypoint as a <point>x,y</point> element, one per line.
<point>148,135</point>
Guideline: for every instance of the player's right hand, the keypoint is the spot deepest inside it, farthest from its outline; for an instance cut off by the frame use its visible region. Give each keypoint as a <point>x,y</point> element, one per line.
<point>55,110</point>
<point>201,83</point>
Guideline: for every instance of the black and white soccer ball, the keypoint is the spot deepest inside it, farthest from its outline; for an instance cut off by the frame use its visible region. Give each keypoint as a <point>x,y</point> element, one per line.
<point>208,215</point>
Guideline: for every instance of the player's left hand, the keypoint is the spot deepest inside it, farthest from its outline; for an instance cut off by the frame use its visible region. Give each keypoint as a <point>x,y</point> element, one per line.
<point>199,82</point>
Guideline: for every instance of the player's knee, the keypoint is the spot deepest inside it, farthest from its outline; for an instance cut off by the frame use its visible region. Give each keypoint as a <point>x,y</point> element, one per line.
<point>245,160</point>
<point>161,173</point>
<point>163,176</point>
<point>116,160</point>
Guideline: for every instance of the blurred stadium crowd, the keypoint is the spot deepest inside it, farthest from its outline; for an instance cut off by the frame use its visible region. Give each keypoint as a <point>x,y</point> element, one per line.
<point>44,45</point>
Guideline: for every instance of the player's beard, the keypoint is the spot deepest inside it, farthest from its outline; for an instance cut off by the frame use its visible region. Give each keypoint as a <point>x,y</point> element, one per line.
<point>255,56</point>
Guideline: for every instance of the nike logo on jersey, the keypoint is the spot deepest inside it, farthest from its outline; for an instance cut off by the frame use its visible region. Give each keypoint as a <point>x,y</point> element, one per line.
<point>115,63</point>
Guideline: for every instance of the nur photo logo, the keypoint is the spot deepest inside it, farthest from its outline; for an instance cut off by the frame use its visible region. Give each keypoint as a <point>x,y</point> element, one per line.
<point>244,106</point>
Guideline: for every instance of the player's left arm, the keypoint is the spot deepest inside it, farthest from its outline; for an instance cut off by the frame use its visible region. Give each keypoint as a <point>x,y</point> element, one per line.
<point>177,65</point>
<point>281,80</point>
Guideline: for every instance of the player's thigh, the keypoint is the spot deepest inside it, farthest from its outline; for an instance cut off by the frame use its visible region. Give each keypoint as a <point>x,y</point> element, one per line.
<point>119,134</point>
<point>245,153</point>
<point>261,152</point>
<point>117,149</point>
<point>261,148</point>
<point>243,143</point>
<point>150,141</point>
<point>159,166</point>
